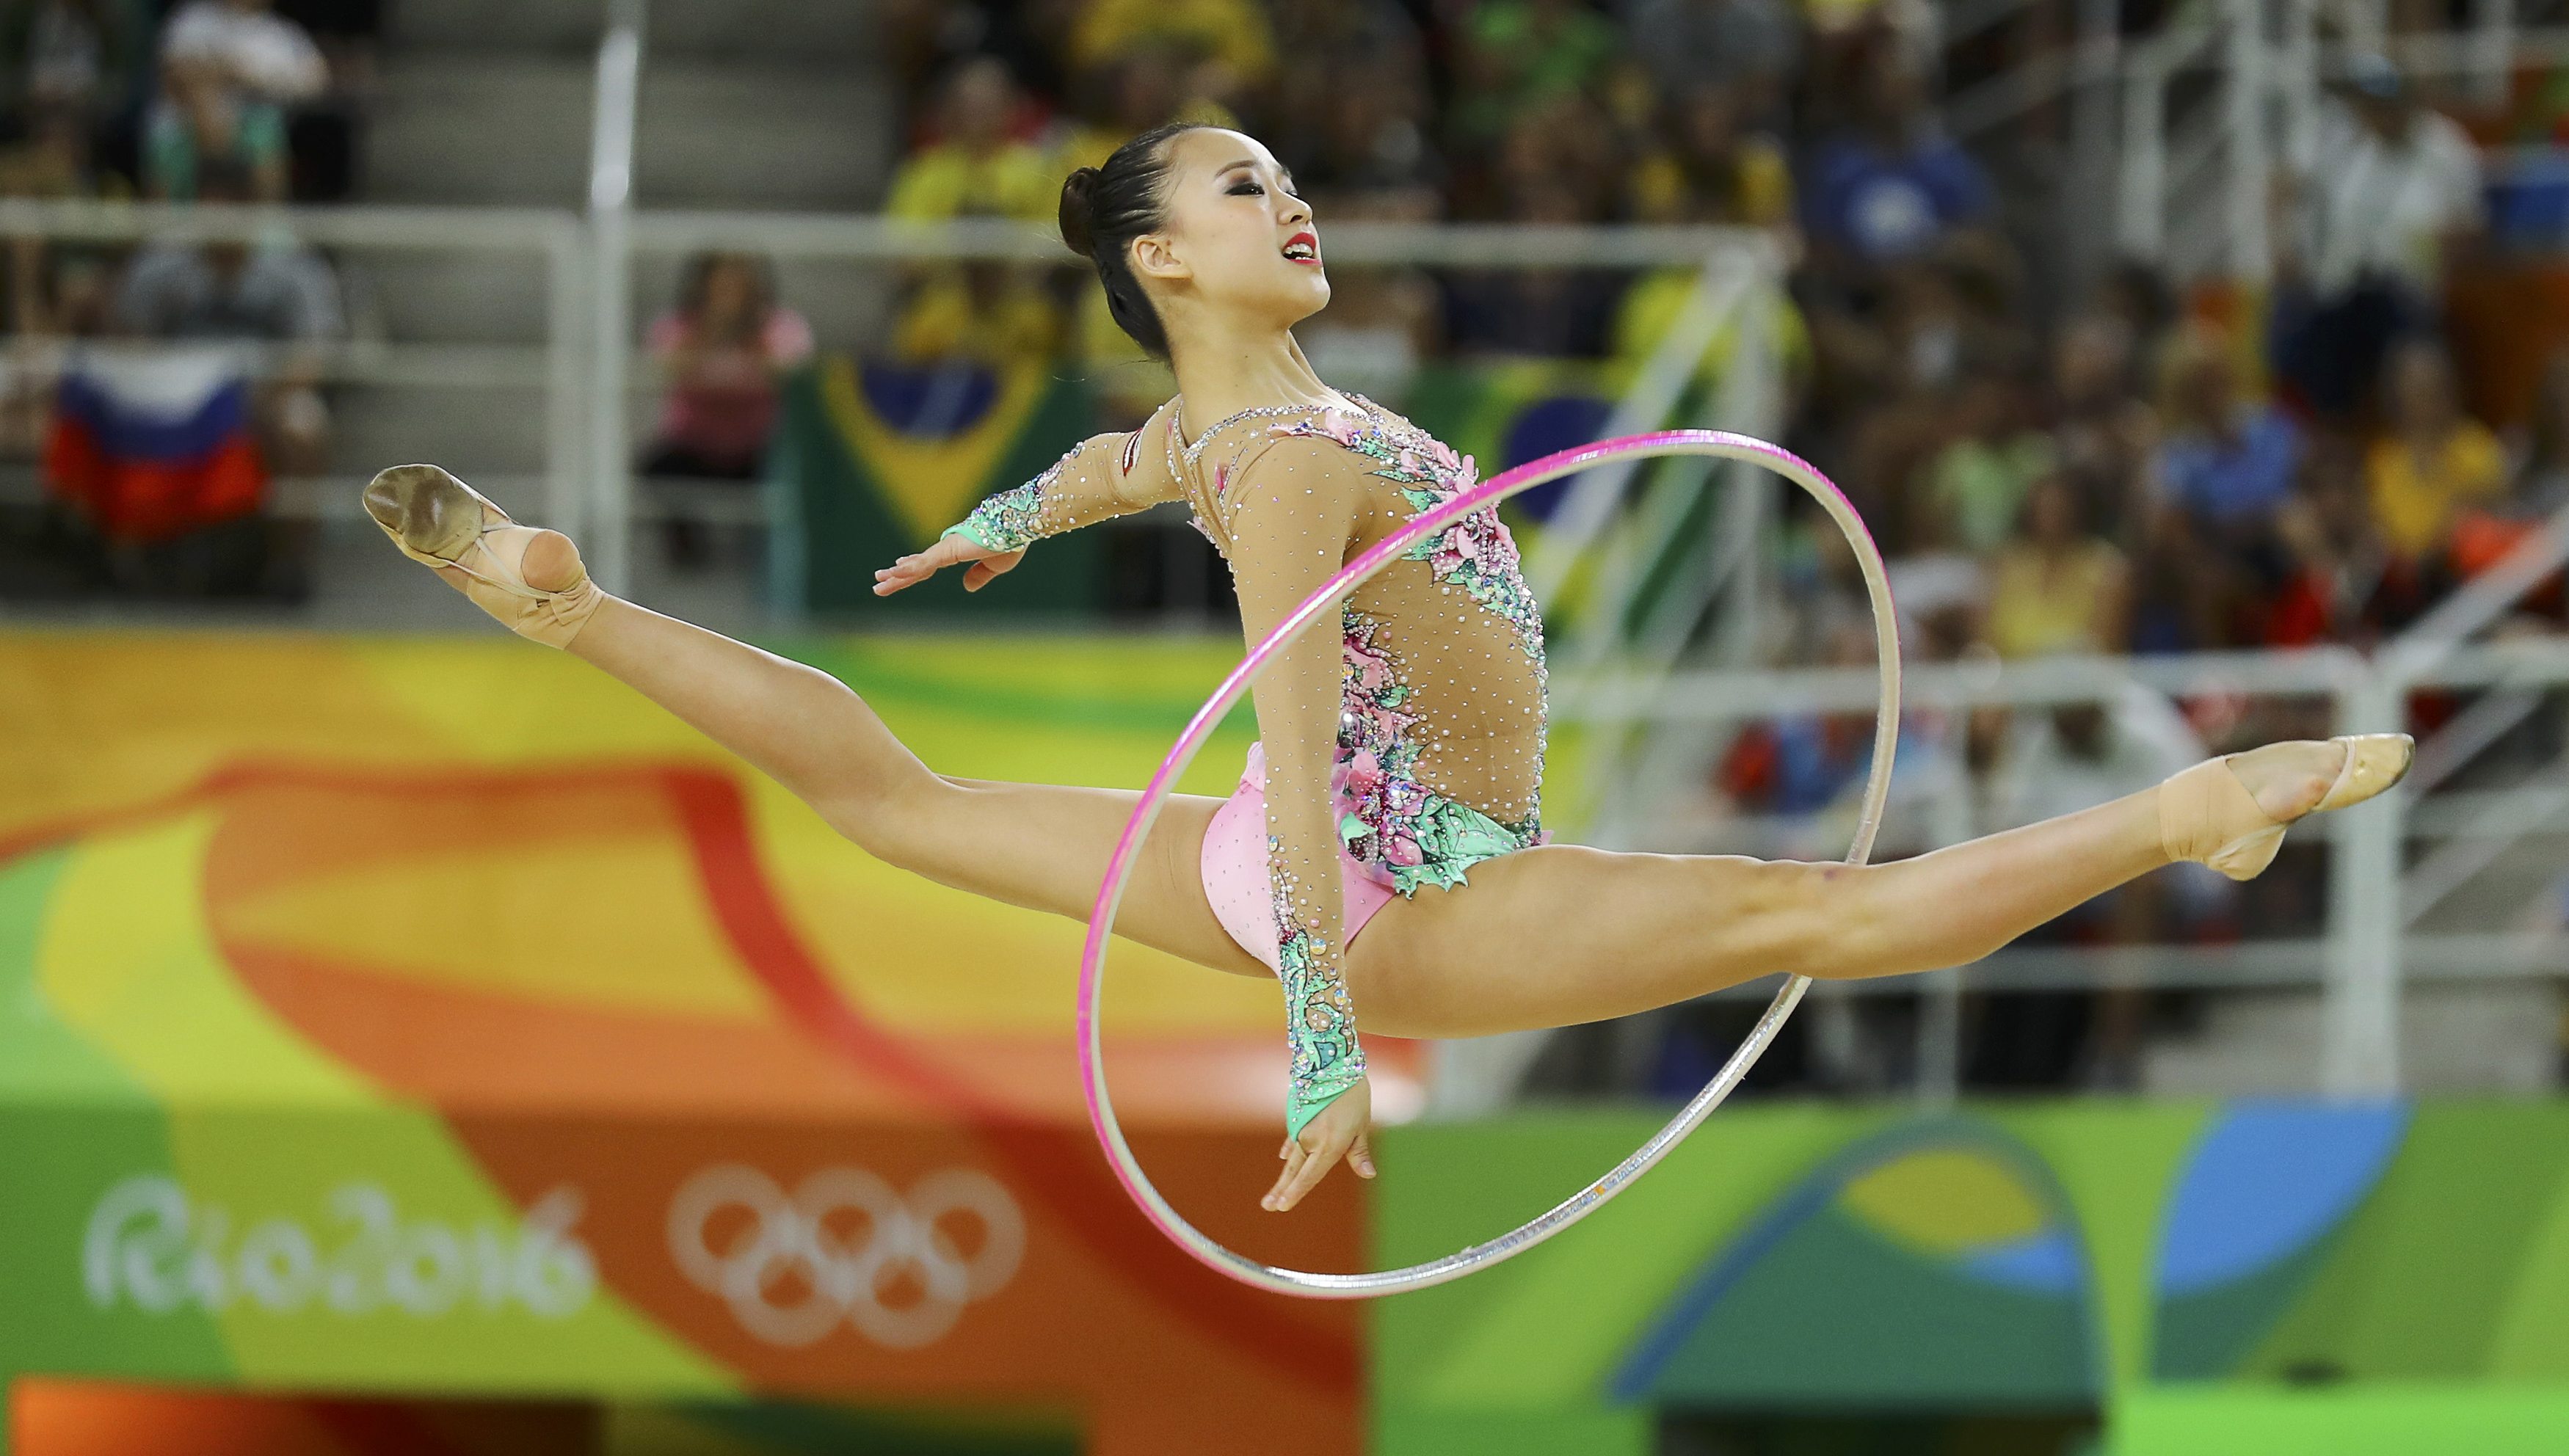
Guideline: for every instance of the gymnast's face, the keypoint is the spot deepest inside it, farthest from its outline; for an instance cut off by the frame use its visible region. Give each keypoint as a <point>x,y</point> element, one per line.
<point>1239,247</point>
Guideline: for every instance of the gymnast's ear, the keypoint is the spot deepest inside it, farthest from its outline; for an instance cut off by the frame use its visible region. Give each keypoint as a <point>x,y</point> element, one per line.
<point>1156,254</point>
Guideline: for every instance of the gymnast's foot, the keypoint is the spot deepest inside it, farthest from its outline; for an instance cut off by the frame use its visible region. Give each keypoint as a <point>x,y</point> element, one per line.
<point>2231,812</point>
<point>531,579</point>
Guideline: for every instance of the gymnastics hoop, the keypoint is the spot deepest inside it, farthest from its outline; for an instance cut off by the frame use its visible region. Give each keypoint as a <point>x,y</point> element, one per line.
<point>1110,893</point>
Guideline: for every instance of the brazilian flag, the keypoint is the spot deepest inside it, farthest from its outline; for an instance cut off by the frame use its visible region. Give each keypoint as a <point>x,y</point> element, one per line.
<point>874,458</point>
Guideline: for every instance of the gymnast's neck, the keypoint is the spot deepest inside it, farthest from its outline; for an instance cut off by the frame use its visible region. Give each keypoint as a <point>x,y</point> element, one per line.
<point>1224,367</point>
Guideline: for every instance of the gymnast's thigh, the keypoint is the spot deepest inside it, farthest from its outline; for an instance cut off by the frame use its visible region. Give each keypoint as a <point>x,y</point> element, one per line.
<point>1046,847</point>
<point>1562,933</point>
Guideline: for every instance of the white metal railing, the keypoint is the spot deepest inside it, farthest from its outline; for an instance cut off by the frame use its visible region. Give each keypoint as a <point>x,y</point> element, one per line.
<point>556,369</point>
<point>583,371</point>
<point>550,237</point>
<point>610,212</point>
<point>2264,61</point>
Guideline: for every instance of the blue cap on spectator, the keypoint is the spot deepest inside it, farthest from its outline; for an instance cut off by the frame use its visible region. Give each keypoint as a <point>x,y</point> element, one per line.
<point>2372,74</point>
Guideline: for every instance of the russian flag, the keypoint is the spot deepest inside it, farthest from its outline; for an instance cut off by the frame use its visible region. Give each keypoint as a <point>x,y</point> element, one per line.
<point>153,443</point>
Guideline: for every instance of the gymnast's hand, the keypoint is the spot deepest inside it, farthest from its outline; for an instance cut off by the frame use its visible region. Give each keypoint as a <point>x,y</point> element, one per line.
<point>948,550</point>
<point>1339,1131</point>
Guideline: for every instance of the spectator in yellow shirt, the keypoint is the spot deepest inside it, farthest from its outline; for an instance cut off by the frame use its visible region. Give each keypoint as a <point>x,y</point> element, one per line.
<point>975,169</point>
<point>1709,171</point>
<point>2056,586</point>
<point>2432,460</point>
<point>990,310</point>
<point>1129,93</point>
<point>1232,32</point>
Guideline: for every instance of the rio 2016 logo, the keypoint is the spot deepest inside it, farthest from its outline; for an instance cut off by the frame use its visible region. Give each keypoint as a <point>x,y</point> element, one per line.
<point>846,1239</point>
<point>151,1244</point>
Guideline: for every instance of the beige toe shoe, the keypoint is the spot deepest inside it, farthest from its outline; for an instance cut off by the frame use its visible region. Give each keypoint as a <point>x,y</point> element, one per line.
<point>2207,815</point>
<point>440,521</point>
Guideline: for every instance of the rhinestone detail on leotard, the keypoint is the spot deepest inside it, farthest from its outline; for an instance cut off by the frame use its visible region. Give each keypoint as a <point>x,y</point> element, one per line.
<point>1192,452</point>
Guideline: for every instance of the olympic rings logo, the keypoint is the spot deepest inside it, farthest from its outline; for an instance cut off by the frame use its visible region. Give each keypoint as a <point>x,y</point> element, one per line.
<point>844,1270</point>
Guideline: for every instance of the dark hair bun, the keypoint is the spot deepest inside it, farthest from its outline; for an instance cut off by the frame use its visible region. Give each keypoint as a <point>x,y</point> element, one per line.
<point>1103,209</point>
<point>1078,226</point>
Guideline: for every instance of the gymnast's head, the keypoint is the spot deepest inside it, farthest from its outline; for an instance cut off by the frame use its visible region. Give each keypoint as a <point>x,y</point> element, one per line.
<point>1189,226</point>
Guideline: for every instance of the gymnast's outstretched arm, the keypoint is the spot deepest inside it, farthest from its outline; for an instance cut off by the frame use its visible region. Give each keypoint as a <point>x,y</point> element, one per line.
<point>1290,515</point>
<point>1098,479</point>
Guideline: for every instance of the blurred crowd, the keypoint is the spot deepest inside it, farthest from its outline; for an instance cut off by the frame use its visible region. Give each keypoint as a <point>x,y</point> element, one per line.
<point>2128,470</point>
<point>2109,472</point>
<point>1524,111</point>
<point>133,97</point>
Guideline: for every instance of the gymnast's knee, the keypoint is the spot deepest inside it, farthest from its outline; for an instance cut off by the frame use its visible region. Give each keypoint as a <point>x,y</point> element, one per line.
<point>1822,917</point>
<point>1865,923</point>
<point>885,815</point>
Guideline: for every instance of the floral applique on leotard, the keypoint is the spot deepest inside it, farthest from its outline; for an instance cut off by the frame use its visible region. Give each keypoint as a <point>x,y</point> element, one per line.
<point>1404,834</point>
<point>1401,832</point>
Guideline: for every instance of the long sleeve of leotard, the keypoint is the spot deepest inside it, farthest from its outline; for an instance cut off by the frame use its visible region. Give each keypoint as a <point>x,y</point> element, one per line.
<point>1290,512</point>
<point>1101,477</point>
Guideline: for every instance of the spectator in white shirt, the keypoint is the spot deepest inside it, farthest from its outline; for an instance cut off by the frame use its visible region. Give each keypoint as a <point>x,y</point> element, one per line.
<point>2380,194</point>
<point>229,70</point>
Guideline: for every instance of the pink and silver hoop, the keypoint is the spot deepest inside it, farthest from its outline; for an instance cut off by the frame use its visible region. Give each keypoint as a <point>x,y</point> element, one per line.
<point>1110,893</point>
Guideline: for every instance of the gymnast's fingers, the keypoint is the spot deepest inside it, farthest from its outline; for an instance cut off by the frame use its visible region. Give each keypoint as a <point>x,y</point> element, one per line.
<point>1313,1168</point>
<point>909,571</point>
<point>1293,1158</point>
<point>918,566</point>
<point>1360,1156</point>
<point>905,573</point>
<point>979,575</point>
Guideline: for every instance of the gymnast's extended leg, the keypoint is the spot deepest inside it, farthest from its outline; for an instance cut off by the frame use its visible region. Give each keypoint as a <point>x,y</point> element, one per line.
<point>1562,934</point>
<point>1041,846</point>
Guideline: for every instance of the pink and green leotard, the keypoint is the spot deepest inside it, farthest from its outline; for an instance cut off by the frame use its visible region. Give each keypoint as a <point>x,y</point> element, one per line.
<point>1395,756</point>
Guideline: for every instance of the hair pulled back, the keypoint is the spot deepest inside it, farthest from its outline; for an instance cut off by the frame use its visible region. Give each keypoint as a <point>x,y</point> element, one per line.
<point>1103,209</point>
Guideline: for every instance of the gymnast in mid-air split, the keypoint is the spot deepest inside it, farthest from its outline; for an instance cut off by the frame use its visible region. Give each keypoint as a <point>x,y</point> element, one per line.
<point>1384,847</point>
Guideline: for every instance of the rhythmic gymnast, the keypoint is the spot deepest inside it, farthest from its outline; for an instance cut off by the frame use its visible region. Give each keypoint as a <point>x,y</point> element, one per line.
<point>1401,755</point>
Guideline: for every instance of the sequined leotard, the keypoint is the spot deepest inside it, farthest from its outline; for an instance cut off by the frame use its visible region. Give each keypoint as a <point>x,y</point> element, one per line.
<point>1417,740</point>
